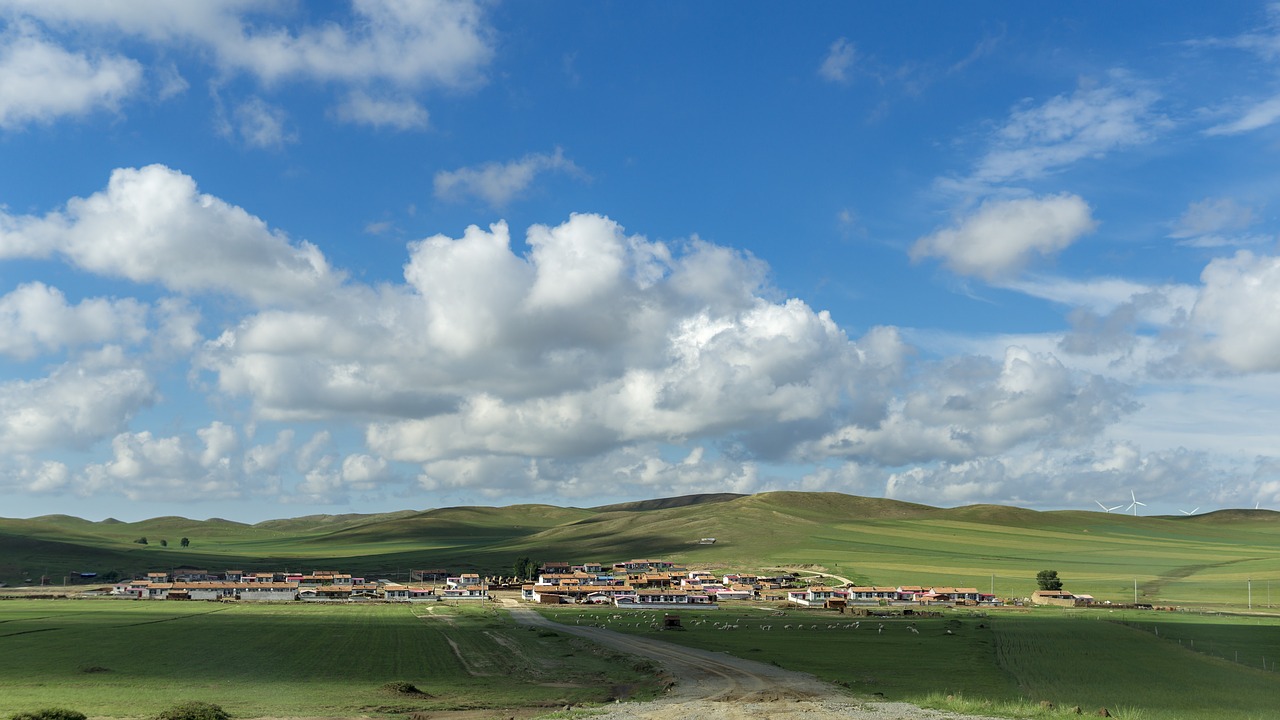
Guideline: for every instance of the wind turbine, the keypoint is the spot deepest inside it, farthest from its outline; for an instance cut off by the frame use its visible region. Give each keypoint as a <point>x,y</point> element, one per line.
<point>1134,505</point>
<point>1108,509</point>
<point>1193,512</point>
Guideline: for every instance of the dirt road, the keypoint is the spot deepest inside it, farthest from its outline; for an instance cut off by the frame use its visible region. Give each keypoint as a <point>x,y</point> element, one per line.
<point>718,686</point>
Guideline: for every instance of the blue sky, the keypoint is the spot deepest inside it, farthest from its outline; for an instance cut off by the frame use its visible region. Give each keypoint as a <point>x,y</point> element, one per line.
<point>271,259</point>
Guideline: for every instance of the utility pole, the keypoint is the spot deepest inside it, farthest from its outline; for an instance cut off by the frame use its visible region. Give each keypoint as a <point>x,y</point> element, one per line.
<point>1249,581</point>
<point>1135,591</point>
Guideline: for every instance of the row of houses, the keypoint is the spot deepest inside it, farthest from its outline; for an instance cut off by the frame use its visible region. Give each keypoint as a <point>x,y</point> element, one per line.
<point>316,586</point>
<point>633,583</point>
<point>821,595</point>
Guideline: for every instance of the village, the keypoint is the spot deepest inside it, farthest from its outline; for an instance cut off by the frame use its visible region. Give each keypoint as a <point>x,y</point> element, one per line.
<point>648,584</point>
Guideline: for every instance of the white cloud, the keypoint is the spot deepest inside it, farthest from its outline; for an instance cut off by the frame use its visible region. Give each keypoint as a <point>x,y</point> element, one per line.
<point>592,341</point>
<point>41,82</point>
<point>73,407</point>
<point>637,471</point>
<point>1236,319</point>
<point>36,318</point>
<point>1105,473</point>
<point>1212,217</point>
<point>498,183</point>
<point>328,484</point>
<point>398,113</point>
<point>258,124</point>
<point>151,225</point>
<point>1256,116</point>
<point>1000,237</point>
<point>405,43</point>
<point>971,408</point>
<point>1089,123</point>
<point>144,467</point>
<point>839,60</point>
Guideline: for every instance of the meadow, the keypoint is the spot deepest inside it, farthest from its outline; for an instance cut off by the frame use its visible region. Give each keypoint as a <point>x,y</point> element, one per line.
<point>1007,662</point>
<point>1213,659</point>
<point>120,658</point>
<point>1204,561</point>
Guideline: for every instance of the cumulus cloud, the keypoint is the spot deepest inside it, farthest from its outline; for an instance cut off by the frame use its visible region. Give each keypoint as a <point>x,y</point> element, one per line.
<point>974,407</point>
<point>1001,236</point>
<point>1105,473</point>
<point>1235,324</point>
<point>150,225</point>
<point>839,60</point>
<point>499,183</point>
<point>40,81</point>
<point>146,467</point>
<point>331,482</point>
<point>397,113</point>
<point>36,318</point>
<point>74,406</point>
<point>594,340</point>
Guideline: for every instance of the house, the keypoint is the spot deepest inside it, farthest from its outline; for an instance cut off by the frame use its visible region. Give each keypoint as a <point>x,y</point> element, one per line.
<point>663,598</point>
<point>813,596</point>
<point>1061,598</point>
<point>133,589</point>
<point>868,594</point>
<point>267,591</point>
<point>409,593</point>
<point>185,575</point>
<point>957,594</point>
<point>465,592</point>
<point>737,592</point>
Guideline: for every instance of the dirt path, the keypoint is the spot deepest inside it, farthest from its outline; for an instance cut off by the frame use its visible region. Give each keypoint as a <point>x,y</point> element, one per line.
<point>718,686</point>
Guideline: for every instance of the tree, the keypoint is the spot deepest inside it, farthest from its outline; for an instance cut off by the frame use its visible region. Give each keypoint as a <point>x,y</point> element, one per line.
<point>526,568</point>
<point>186,542</point>
<point>1048,580</point>
<point>142,540</point>
<point>164,543</point>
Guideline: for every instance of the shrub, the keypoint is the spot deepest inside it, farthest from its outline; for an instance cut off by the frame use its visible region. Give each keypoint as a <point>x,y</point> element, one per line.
<point>401,687</point>
<point>194,711</point>
<point>50,714</point>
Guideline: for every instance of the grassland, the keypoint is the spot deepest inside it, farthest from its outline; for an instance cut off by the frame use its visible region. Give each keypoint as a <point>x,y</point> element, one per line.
<point>115,658</point>
<point>1008,662</point>
<point>1201,561</point>
<point>121,658</point>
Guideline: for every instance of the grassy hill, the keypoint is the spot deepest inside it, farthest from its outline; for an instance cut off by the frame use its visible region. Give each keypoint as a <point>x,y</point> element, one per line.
<point>1207,560</point>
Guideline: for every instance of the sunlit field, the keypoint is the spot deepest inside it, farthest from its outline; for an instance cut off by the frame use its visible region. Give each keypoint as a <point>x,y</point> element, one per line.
<point>1041,662</point>
<point>125,658</point>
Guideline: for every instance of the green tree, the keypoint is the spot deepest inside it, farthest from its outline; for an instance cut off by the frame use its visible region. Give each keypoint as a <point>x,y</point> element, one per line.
<point>526,568</point>
<point>164,543</point>
<point>186,542</point>
<point>1048,580</point>
<point>142,540</point>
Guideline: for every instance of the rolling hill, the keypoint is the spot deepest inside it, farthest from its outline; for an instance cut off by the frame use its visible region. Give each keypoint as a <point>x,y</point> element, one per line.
<point>1205,559</point>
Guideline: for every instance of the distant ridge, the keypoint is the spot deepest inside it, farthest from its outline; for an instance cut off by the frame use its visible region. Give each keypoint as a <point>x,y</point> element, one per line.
<point>668,503</point>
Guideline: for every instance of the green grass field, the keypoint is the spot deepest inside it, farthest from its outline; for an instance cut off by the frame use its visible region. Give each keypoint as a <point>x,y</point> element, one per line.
<point>118,658</point>
<point>1202,561</point>
<point>122,658</point>
<point>1007,662</point>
